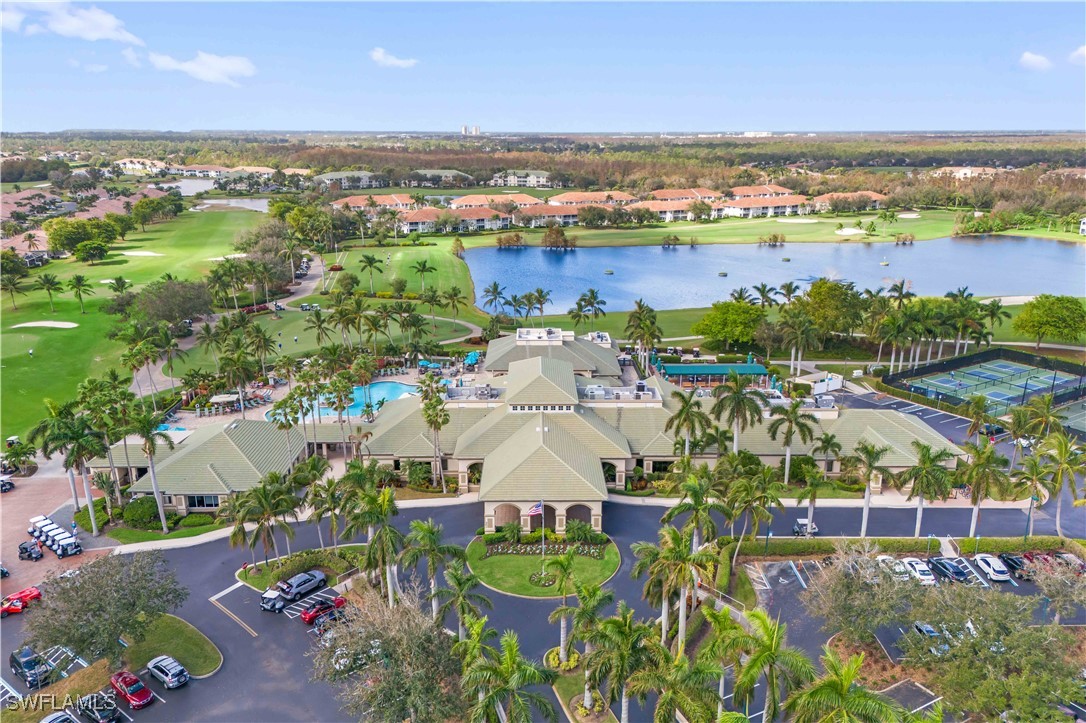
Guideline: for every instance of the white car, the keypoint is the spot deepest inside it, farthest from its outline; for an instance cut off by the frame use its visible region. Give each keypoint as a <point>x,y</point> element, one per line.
<point>893,567</point>
<point>992,567</point>
<point>919,569</point>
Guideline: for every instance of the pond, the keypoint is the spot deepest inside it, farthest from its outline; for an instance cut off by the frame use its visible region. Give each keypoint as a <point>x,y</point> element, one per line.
<point>190,186</point>
<point>688,276</point>
<point>252,204</point>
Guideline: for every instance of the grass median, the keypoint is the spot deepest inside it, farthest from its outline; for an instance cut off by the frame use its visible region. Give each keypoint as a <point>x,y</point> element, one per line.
<point>510,573</point>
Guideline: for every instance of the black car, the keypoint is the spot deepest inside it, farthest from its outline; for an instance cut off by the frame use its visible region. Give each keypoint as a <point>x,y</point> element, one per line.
<point>947,569</point>
<point>1017,565</point>
<point>322,621</point>
<point>30,550</point>
<point>6,485</point>
<point>98,708</point>
<point>31,668</point>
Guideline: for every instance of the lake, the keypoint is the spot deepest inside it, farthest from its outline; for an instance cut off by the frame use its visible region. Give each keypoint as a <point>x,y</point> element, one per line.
<point>687,276</point>
<point>251,204</point>
<point>190,186</point>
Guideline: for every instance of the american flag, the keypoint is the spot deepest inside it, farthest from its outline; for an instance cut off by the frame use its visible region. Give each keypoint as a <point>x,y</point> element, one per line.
<point>536,509</point>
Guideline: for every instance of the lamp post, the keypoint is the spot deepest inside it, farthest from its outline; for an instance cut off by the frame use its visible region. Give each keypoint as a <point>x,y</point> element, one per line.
<point>768,534</point>
<point>930,538</point>
<point>1029,517</point>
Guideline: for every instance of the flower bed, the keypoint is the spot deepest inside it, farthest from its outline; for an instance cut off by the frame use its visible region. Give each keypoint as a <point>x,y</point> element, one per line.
<point>553,548</point>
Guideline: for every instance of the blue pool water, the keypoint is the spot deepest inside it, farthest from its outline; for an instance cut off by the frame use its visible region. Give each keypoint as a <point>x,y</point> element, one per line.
<point>687,276</point>
<point>379,391</point>
<point>168,428</point>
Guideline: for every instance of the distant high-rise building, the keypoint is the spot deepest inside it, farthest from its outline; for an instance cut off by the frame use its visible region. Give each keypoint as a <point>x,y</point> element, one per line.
<point>475,130</point>
<point>463,130</point>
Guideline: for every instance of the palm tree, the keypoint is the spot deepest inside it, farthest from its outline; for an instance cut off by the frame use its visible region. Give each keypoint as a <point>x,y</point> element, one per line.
<point>423,267</point>
<point>869,461</point>
<point>799,333</point>
<point>817,483</point>
<point>623,647</point>
<point>754,496</point>
<point>475,649</point>
<point>788,422</point>
<point>928,477</point>
<point>739,404</point>
<point>562,569</point>
<point>325,498</point>
<point>13,284</point>
<point>436,416</point>
<point>648,555</point>
<point>838,696</point>
<point>424,542</point>
<point>83,444</point>
<point>1044,417</point>
<point>985,473</point>
<point>542,297</point>
<point>688,419</point>
<point>827,445</point>
<point>685,566</point>
<point>593,305</point>
<point>1017,426</point>
<point>80,287</point>
<point>50,284</point>
<point>1035,479</point>
<point>459,597</point>
<point>371,263</point>
<point>591,600</point>
<point>504,680</point>
<point>266,507</point>
<point>291,245</point>
<point>699,502</point>
<point>681,686</point>
<point>237,370</point>
<point>494,297</point>
<point>976,411</point>
<point>1064,463</point>
<point>317,322</point>
<point>145,427</point>
<point>788,291</point>
<point>785,669</point>
<point>717,648</point>
<point>577,314</point>
<point>766,294</point>
<point>383,550</point>
<point>454,298</point>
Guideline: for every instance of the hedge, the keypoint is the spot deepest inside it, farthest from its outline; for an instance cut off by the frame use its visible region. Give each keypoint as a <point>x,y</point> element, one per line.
<point>647,492</point>
<point>142,513</point>
<point>918,399</point>
<point>82,518</point>
<point>996,545</point>
<point>197,520</point>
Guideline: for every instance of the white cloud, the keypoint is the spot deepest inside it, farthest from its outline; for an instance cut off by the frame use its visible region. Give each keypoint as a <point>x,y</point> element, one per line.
<point>69,21</point>
<point>132,57</point>
<point>1033,61</point>
<point>207,67</point>
<point>386,60</point>
<point>1079,56</point>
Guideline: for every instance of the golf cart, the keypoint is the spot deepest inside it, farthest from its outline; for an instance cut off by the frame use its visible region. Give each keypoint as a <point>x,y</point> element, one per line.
<point>30,550</point>
<point>804,528</point>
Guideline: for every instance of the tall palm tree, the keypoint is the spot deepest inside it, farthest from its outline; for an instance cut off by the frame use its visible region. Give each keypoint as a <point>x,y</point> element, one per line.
<point>266,507</point>
<point>929,477</point>
<point>623,646</point>
<point>577,314</point>
<point>84,443</point>
<point>145,427</point>
<point>649,562</point>
<point>788,291</point>
<point>371,264</point>
<point>561,566</point>
<point>586,617</point>
<point>454,298</point>
<point>976,411</point>
<point>317,322</point>
<point>593,305</point>
<point>685,566</point>
<point>80,287</point>
<point>325,498</point>
<point>1065,463</point>
<point>838,696</point>
<point>494,296</point>
<point>423,542</point>
<point>767,295</point>
<point>459,597</point>
<point>542,297</point>
<point>827,445</point>
<point>504,680</point>
<point>383,550</point>
<point>52,433</point>
<point>436,416</point>
<point>985,472</point>
<point>800,333</point>
<point>1044,417</point>
<point>681,685</point>
<point>475,649</point>
<point>766,655</point>
<point>816,484</point>
<point>423,267</point>
<point>1017,425</point>
<point>689,419</point>
<point>1034,478</point>
<point>50,284</point>
<point>237,370</point>
<point>13,284</point>
<point>754,497</point>
<point>699,503</point>
<point>869,461</point>
<point>739,404</point>
<point>789,421</point>
<point>718,649</point>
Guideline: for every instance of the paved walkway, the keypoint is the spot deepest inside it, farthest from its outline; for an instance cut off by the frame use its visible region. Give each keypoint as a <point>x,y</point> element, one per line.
<point>891,499</point>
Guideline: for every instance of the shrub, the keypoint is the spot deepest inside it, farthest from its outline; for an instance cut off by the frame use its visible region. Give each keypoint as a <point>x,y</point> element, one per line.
<point>638,491</point>
<point>799,389</point>
<point>197,520</point>
<point>669,358</point>
<point>493,538</point>
<point>996,545</point>
<point>172,518</point>
<point>553,660</point>
<point>82,518</point>
<point>141,513</point>
<point>411,296</point>
<point>383,294</point>
<point>481,531</point>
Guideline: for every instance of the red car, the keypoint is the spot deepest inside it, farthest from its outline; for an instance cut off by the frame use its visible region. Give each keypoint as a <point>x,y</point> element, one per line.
<point>315,610</point>
<point>18,602</point>
<point>1038,558</point>
<point>129,687</point>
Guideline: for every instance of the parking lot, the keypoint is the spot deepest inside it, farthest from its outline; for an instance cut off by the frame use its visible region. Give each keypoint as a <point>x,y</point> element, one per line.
<point>295,609</point>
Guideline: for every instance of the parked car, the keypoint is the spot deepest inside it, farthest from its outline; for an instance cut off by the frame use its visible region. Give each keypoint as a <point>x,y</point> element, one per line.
<point>320,607</point>
<point>934,638</point>
<point>325,621</point>
<point>17,602</point>
<point>31,668</point>
<point>68,547</point>
<point>947,569</point>
<point>98,708</point>
<point>1038,558</point>
<point>62,716</point>
<point>804,527</point>
<point>168,671</point>
<point>1017,565</point>
<point>130,688</point>
<point>30,550</point>
<point>6,485</point>
<point>301,584</point>
<point>1074,561</point>
<point>919,570</point>
<point>992,567</point>
<point>893,567</point>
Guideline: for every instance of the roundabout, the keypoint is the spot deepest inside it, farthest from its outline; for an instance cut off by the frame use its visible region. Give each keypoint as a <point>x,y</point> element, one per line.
<point>522,574</point>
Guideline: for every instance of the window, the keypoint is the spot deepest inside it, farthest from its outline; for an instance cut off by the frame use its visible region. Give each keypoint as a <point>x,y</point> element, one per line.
<point>167,499</point>
<point>202,501</point>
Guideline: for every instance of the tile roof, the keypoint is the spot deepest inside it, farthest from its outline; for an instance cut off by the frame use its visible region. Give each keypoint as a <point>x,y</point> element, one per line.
<point>663,205</point>
<point>685,194</point>
<point>585,356</point>
<point>591,197</point>
<point>541,380</point>
<point>766,202</point>
<point>486,199</point>
<point>740,191</point>
<point>555,211</point>
<point>545,462</point>
<point>383,200</point>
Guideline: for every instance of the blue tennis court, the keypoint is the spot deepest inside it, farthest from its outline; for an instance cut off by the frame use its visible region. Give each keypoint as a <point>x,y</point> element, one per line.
<point>1005,383</point>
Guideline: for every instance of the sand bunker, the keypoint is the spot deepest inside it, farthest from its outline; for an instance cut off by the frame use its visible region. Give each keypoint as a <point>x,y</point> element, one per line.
<point>797,220</point>
<point>107,281</point>
<point>908,215</point>
<point>140,253</point>
<point>849,231</point>
<point>228,256</point>
<point>50,324</point>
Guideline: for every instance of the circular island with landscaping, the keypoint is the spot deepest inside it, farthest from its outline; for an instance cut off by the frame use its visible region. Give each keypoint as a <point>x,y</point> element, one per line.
<point>517,563</point>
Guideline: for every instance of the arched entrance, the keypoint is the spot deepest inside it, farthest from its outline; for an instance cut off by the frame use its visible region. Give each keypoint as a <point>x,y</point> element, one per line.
<point>475,473</point>
<point>609,473</point>
<point>547,519</point>
<point>579,512</point>
<point>506,513</point>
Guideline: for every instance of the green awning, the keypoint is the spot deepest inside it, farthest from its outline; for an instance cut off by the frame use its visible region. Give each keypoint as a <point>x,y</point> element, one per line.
<point>673,370</point>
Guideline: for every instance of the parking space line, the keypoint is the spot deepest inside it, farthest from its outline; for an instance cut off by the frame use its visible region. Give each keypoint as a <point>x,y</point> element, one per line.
<point>962,426</point>
<point>757,579</point>
<point>228,590</point>
<point>966,566</point>
<point>798,576</point>
<point>233,617</point>
<point>732,695</point>
<point>295,609</point>
<point>157,695</point>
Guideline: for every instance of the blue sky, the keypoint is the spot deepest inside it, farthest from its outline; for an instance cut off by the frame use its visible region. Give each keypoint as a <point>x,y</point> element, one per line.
<point>544,67</point>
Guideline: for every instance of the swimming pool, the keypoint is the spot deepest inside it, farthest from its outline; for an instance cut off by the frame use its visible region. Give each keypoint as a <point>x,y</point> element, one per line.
<point>168,428</point>
<point>378,392</point>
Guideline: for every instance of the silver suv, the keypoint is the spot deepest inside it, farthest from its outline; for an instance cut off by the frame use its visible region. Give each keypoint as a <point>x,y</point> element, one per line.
<point>168,671</point>
<point>274,599</point>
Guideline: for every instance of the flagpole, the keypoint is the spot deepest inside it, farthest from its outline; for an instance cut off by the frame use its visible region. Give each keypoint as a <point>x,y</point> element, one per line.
<point>543,529</point>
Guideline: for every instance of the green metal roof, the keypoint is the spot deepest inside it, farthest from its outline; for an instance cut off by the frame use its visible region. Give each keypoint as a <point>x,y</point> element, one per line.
<point>714,369</point>
<point>583,355</point>
<point>541,461</point>
<point>541,380</point>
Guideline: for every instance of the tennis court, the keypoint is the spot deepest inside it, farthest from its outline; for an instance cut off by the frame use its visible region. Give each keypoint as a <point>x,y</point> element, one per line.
<point>1075,416</point>
<point>1005,383</point>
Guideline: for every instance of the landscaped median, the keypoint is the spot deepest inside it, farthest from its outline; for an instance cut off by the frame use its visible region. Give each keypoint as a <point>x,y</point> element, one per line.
<point>333,562</point>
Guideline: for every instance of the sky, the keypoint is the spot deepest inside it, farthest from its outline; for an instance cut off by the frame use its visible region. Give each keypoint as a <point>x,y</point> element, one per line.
<point>539,67</point>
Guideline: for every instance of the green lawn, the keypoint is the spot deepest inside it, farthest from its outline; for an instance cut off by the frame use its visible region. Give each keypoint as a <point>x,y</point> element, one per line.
<point>509,573</point>
<point>64,357</point>
<point>262,576</point>
<point>743,590</point>
<point>170,635</point>
<point>127,535</point>
<point>571,685</point>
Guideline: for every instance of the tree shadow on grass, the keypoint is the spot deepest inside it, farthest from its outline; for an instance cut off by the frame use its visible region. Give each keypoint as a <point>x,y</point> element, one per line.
<point>110,262</point>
